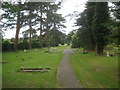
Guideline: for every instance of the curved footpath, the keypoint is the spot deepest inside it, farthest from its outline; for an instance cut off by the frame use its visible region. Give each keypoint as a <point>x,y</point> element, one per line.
<point>66,77</point>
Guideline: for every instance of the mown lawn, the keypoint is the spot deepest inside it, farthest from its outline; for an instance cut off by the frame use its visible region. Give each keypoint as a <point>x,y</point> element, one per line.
<point>13,78</point>
<point>95,71</point>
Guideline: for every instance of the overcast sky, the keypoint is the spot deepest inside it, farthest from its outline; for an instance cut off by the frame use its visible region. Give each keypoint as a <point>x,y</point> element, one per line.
<point>68,7</point>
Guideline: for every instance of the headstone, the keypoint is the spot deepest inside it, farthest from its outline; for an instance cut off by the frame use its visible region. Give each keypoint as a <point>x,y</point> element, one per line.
<point>59,44</point>
<point>25,50</point>
<point>51,50</point>
<point>21,68</point>
<point>108,54</point>
<point>65,44</point>
<point>36,50</point>
<point>85,51</point>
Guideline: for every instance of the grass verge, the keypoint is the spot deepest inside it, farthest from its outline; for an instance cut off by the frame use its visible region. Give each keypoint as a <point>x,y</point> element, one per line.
<point>95,71</point>
<point>12,78</point>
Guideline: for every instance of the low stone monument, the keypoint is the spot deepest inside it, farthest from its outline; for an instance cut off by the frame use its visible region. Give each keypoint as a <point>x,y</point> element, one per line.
<point>25,50</point>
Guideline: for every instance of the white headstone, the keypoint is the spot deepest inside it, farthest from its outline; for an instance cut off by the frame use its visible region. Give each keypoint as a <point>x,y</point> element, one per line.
<point>25,50</point>
<point>108,54</point>
<point>59,44</point>
<point>51,50</point>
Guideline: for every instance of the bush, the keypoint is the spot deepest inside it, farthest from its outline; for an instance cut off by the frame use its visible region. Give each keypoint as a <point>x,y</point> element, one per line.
<point>7,45</point>
<point>111,48</point>
<point>62,43</point>
<point>36,44</point>
<point>56,44</point>
<point>43,44</point>
<point>23,45</point>
<point>75,43</point>
<point>46,51</point>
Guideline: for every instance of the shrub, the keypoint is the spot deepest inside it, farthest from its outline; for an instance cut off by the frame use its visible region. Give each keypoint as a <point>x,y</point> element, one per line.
<point>7,45</point>
<point>23,45</point>
<point>111,48</point>
<point>36,44</point>
<point>62,43</point>
<point>43,44</point>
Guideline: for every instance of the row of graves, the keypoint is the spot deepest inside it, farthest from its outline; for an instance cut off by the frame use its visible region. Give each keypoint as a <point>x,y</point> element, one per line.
<point>108,54</point>
<point>49,51</point>
<point>22,69</point>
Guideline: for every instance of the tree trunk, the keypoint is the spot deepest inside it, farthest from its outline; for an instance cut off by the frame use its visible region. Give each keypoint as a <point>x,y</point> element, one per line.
<point>54,37</point>
<point>47,37</point>
<point>99,50</point>
<point>100,29</point>
<point>40,24</point>
<point>16,36</point>
<point>17,30</point>
<point>92,40</point>
<point>47,29</point>
<point>40,32</point>
<point>54,34</point>
<point>30,28</point>
<point>93,45</point>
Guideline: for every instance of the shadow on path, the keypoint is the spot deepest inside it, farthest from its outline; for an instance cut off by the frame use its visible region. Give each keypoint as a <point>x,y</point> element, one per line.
<point>66,77</point>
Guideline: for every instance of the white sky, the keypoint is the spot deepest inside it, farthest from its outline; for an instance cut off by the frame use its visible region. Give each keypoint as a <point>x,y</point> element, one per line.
<point>68,7</point>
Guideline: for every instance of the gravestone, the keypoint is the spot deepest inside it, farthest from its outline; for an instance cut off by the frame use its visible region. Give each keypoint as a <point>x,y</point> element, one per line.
<point>25,50</point>
<point>108,54</point>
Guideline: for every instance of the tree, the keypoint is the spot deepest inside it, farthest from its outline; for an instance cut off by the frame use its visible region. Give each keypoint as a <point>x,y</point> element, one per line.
<point>27,32</point>
<point>116,13</point>
<point>53,20</point>
<point>32,14</point>
<point>17,27</point>
<point>84,31</point>
<point>100,28</point>
<point>116,10</point>
<point>56,37</point>
<point>76,41</point>
<point>13,11</point>
<point>68,38</point>
<point>90,11</point>
<point>30,8</point>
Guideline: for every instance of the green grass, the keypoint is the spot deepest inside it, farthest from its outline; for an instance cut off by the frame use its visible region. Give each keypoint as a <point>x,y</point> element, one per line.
<point>95,71</point>
<point>14,79</point>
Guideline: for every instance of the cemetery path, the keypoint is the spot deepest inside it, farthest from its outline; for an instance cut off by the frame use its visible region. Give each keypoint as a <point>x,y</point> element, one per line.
<point>66,78</point>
